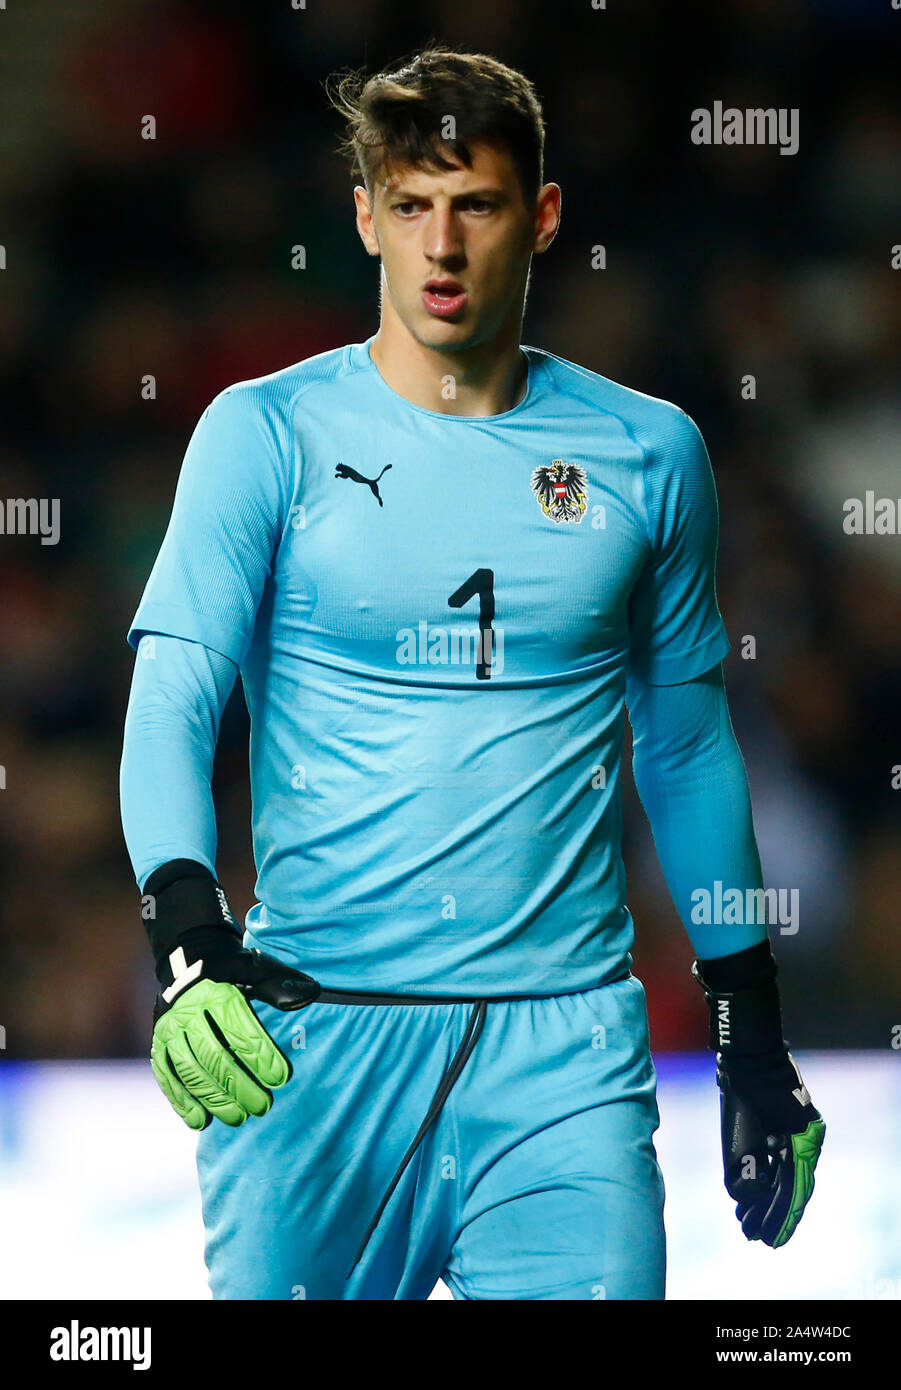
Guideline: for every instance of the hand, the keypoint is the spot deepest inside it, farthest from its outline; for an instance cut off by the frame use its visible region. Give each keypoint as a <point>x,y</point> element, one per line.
<point>772,1135</point>
<point>771,1131</point>
<point>210,1053</point>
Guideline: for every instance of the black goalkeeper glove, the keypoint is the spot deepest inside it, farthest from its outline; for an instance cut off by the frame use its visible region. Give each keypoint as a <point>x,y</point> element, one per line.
<point>772,1132</point>
<point>210,1053</point>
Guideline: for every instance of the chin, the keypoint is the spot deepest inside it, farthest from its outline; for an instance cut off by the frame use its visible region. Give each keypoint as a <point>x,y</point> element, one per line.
<point>448,334</point>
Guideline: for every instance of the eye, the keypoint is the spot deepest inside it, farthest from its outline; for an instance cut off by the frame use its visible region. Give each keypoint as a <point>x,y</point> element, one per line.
<point>403,208</point>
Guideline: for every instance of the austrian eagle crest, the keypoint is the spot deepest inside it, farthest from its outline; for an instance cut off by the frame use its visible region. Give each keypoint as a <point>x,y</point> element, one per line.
<point>561,490</point>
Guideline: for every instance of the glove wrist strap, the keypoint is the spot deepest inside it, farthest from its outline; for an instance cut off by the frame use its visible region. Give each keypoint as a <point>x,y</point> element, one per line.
<point>179,898</point>
<point>743,999</point>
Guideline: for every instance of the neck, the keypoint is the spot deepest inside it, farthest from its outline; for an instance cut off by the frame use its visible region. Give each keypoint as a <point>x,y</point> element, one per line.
<point>486,379</point>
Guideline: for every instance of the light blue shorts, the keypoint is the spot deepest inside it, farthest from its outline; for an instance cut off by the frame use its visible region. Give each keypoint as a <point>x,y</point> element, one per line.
<point>530,1173</point>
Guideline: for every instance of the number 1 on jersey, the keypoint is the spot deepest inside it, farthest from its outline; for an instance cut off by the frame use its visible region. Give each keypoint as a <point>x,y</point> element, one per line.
<point>480,582</point>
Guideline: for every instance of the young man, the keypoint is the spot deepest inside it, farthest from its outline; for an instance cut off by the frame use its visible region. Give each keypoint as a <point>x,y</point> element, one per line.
<point>442,562</point>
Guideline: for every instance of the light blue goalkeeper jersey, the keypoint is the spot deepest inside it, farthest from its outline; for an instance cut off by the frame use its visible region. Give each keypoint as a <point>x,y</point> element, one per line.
<point>433,616</point>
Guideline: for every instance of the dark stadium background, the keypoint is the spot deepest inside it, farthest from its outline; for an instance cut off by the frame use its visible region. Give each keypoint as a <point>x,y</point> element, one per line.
<point>127,257</point>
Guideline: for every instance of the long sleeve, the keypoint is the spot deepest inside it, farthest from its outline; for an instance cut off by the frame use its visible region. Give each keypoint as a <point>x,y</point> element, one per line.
<point>178,693</point>
<point>692,783</point>
<point>231,507</point>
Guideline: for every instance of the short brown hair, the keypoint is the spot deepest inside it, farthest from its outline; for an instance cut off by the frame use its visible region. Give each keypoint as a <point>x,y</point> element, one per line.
<point>397,114</point>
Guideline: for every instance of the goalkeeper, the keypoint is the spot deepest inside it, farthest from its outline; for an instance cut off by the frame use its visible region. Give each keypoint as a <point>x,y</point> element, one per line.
<point>426,1055</point>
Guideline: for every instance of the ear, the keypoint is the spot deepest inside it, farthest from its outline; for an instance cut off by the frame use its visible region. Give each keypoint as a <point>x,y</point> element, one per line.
<point>365,224</point>
<point>547,215</point>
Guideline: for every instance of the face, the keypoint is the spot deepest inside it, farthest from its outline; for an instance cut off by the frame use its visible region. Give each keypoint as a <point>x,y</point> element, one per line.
<point>456,245</point>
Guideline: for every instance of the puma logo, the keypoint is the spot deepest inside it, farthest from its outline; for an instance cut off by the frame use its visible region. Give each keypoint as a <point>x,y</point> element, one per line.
<point>343,470</point>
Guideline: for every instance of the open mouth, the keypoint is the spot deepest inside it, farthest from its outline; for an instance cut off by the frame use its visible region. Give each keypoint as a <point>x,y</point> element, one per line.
<point>444,297</point>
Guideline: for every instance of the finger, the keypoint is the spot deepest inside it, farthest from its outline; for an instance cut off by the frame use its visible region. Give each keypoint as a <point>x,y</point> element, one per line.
<point>181,1100</point>
<point>792,1186</point>
<point>212,1050</point>
<point>249,1040</point>
<point>747,1170</point>
<point>751,1218</point>
<point>805,1154</point>
<point>748,1180</point>
<point>203,1084</point>
<point>775,1224</point>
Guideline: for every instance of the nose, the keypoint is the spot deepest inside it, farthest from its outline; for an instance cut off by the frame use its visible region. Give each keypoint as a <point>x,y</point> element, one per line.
<point>443,241</point>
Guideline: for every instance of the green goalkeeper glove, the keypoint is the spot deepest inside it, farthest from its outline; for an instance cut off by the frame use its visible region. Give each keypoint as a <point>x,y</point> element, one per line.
<point>210,1053</point>
<point>771,1131</point>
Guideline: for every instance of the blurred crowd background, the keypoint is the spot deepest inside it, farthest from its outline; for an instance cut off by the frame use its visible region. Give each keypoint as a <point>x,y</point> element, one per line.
<point>172,257</point>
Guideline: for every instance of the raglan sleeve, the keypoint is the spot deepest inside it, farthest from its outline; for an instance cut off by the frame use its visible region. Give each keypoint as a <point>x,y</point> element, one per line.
<point>675,629</point>
<point>230,508</point>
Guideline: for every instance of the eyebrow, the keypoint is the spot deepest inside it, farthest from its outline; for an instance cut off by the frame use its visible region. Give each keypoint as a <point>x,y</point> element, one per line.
<point>457,198</point>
